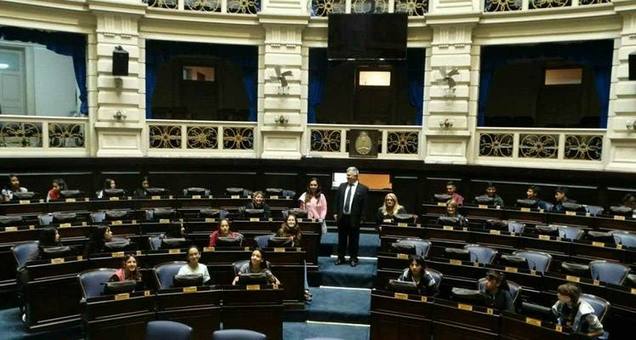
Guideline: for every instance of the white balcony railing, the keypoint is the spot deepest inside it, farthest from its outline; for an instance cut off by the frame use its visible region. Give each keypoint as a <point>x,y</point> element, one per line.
<point>208,6</point>
<point>201,137</point>
<point>546,145</point>
<point>25,135</point>
<point>394,142</point>
<point>530,5</point>
<point>323,8</point>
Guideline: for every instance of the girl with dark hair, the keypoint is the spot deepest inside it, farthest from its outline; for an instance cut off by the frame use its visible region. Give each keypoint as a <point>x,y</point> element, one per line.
<point>193,267</point>
<point>57,186</point>
<point>291,230</point>
<point>257,264</point>
<point>416,272</point>
<point>223,230</point>
<point>313,200</point>
<point>571,311</point>
<point>13,185</point>
<point>109,183</point>
<point>98,240</point>
<point>49,237</point>
<point>496,291</point>
<point>141,191</point>
<point>129,270</point>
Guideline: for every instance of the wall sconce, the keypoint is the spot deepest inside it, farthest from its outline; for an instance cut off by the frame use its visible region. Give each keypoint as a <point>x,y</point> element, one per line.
<point>282,120</point>
<point>446,124</point>
<point>119,116</point>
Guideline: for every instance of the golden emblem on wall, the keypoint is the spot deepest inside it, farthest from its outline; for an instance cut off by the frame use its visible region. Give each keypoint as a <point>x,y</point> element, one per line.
<point>363,143</point>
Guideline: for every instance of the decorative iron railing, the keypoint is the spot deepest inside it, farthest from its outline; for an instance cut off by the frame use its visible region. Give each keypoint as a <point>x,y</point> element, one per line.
<point>328,140</point>
<point>201,135</point>
<point>544,144</point>
<point>520,5</point>
<point>322,8</point>
<point>36,133</point>
<point>210,6</point>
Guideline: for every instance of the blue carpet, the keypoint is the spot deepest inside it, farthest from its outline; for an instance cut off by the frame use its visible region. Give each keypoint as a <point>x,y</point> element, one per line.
<point>301,331</point>
<point>369,244</point>
<point>339,305</point>
<point>361,276</point>
<point>12,328</point>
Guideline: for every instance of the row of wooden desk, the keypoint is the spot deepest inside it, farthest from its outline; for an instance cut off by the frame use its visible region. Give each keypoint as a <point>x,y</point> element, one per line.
<point>51,291</point>
<point>124,316</point>
<point>413,317</point>
<point>86,204</point>
<point>595,222</point>
<point>197,231</point>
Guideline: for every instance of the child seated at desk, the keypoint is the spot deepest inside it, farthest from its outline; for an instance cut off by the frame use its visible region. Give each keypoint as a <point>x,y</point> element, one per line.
<point>193,267</point>
<point>257,264</point>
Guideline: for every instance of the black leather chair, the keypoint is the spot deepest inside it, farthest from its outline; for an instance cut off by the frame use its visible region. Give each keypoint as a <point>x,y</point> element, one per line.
<point>537,260</point>
<point>9,221</point>
<point>92,281</point>
<point>576,269</point>
<point>457,254</point>
<point>165,272</point>
<point>610,272</point>
<point>237,334</point>
<point>276,192</point>
<point>601,236</point>
<point>513,261</point>
<point>442,198</point>
<point>163,329</point>
<point>262,240</point>
<point>481,254</point>
<point>550,230</point>
<point>25,252</point>
<point>233,191</point>
<point>189,192</point>
<point>420,247</point>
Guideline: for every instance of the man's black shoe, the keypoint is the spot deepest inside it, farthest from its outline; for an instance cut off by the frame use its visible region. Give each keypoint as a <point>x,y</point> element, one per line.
<point>354,263</point>
<point>340,261</point>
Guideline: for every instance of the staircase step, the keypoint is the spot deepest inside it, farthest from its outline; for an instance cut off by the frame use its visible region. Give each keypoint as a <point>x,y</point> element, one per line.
<point>337,304</point>
<point>361,276</point>
<point>369,244</point>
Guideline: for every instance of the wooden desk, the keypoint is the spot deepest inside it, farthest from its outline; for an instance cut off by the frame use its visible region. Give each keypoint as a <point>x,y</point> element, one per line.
<point>118,317</point>
<point>259,310</point>
<point>197,307</point>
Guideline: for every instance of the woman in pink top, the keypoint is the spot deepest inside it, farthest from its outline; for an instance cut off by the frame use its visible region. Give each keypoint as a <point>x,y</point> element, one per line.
<point>313,200</point>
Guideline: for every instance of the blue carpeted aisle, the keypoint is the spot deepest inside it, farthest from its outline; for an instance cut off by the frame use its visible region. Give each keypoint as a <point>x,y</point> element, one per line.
<point>336,304</point>
<point>305,330</point>
<point>369,244</point>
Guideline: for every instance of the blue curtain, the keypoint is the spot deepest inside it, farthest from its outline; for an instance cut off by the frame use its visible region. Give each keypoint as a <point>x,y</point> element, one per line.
<point>596,54</point>
<point>69,44</point>
<point>414,66</point>
<point>246,57</point>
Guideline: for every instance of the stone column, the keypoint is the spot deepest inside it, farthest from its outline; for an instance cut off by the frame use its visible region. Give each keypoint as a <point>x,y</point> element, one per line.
<point>447,123</point>
<point>620,148</point>
<point>120,102</point>
<point>282,107</point>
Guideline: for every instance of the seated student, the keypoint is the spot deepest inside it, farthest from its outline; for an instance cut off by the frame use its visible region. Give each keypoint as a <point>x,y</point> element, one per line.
<point>495,289</point>
<point>49,237</point>
<point>491,191</point>
<point>313,200</point>
<point>193,267</point>
<point>257,264</point>
<point>390,208</point>
<point>223,230</point>
<point>128,271</point>
<point>575,313</point>
<point>451,189</point>
<point>57,186</point>
<point>560,197</point>
<point>141,192</point>
<point>533,194</point>
<point>97,241</point>
<point>291,230</point>
<point>629,201</point>
<point>416,272</point>
<point>12,186</point>
<point>258,202</point>
<point>451,211</point>
<point>108,184</point>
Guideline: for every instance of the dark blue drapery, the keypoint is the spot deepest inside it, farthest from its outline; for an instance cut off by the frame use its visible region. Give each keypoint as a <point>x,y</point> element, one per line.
<point>69,44</point>
<point>596,54</point>
<point>246,57</point>
<point>319,67</point>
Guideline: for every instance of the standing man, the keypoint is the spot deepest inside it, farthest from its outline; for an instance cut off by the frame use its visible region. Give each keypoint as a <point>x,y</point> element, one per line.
<point>351,201</point>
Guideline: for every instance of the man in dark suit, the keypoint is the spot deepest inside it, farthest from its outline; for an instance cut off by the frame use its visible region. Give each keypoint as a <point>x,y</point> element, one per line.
<point>351,201</point>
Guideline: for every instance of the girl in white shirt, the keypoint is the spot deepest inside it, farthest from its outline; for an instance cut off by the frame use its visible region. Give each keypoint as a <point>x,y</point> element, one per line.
<point>193,266</point>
